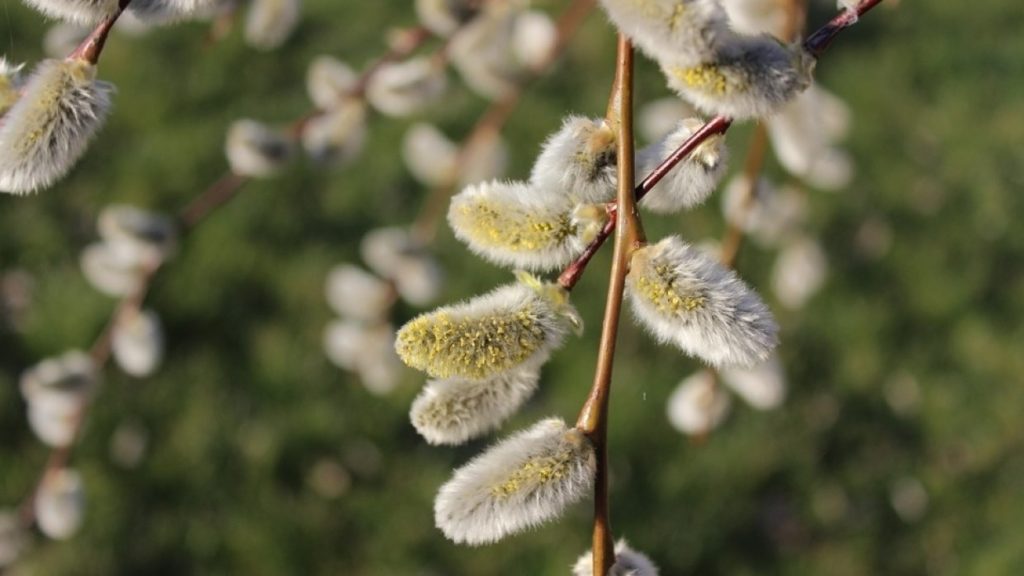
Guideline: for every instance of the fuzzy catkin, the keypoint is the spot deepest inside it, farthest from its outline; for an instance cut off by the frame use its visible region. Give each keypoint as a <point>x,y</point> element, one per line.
<point>43,135</point>
<point>578,161</point>
<point>514,224</point>
<point>628,562</point>
<point>684,296</point>
<point>692,180</point>
<point>748,77</point>
<point>89,12</point>
<point>520,483</point>
<point>686,29</point>
<point>516,325</point>
<point>453,411</point>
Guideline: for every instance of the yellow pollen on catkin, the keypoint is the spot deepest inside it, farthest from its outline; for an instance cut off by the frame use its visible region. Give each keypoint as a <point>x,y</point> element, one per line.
<point>534,472</point>
<point>659,288</point>
<point>476,347</point>
<point>513,229</point>
<point>678,13</point>
<point>705,77</point>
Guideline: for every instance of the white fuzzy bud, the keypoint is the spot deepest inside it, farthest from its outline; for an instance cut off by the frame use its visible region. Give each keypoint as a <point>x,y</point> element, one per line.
<point>685,297</point>
<point>329,82</point>
<point>355,293</point>
<point>62,106</point>
<point>533,38</point>
<point>691,181</point>
<point>803,135</point>
<point>799,273</point>
<point>771,217</point>
<point>522,482</point>
<point>578,161</point>
<point>429,155</point>
<point>60,504</point>
<point>157,12</point>
<point>113,269</point>
<point>270,23</point>
<point>255,150</point>
<point>153,237</point>
<point>484,54</point>
<point>661,117</point>
<point>516,325</point>
<point>367,350</point>
<point>628,562</point>
<point>443,17</point>
<point>513,224</point>
<point>454,411</point>
<point>698,405</point>
<point>405,88</point>
<point>137,343</point>
<point>395,255</point>
<point>762,386</point>
<point>13,539</point>
<point>56,390</point>
<point>338,135</point>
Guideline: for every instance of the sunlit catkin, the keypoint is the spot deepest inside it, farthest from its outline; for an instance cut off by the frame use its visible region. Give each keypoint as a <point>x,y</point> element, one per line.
<point>62,106</point>
<point>405,88</point>
<point>685,29</point>
<point>692,180</point>
<point>338,135</point>
<point>454,410</point>
<point>628,562</point>
<point>269,23</point>
<point>748,77</point>
<point>255,150</point>
<point>60,504</point>
<point>684,296</point>
<point>137,342</point>
<point>578,161</point>
<point>329,81</point>
<point>514,224</point>
<point>522,482</point>
<point>516,325</point>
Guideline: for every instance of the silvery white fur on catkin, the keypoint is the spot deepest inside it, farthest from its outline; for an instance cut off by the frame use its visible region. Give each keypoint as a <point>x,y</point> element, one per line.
<point>454,410</point>
<point>686,29</point>
<point>578,162</point>
<point>732,326</point>
<point>89,12</point>
<point>692,180</point>
<point>519,207</point>
<point>45,133</point>
<point>467,510</point>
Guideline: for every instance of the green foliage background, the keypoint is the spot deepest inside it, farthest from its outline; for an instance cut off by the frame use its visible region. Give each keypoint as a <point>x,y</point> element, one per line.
<point>247,404</point>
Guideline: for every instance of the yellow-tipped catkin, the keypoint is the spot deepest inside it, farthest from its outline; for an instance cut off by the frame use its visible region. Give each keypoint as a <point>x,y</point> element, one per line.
<point>454,411</point>
<point>748,77</point>
<point>684,296</point>
<point>515,326</point>
<point>514,224</point>
<point>520,483</point>
<point>62,106</point>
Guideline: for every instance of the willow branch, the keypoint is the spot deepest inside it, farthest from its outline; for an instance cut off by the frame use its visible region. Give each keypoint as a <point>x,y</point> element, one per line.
<point>593,418</point>
<point>816,44</point>
<point>92,47</point>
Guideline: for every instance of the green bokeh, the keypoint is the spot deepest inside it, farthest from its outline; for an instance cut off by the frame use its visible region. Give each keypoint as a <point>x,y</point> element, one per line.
<point>247,404</point>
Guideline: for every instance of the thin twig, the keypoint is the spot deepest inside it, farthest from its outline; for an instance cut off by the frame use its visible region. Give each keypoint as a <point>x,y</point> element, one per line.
<point>733,240</point>
<point>91,48</point>
<point>593,418</point>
